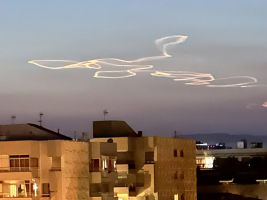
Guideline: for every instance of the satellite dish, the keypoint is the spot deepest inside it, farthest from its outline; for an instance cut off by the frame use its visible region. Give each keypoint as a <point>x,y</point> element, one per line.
<point>110,140</point>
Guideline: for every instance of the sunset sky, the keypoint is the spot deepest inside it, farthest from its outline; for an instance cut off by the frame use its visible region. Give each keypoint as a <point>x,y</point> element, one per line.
<point>225,39</point>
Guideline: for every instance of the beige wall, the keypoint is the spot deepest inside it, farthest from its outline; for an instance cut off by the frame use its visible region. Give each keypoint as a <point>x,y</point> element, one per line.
<point>159,180</point>
<point>75,170</point>
<point>70,180</point>
<point>123,143</point>
<point>169,169</point>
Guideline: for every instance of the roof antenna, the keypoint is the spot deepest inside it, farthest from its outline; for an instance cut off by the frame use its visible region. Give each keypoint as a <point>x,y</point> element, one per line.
<point>74,135</point>
<point>175,134</point>
<point>13,117</point>
<point>41,114</point>
<point>105,112</point>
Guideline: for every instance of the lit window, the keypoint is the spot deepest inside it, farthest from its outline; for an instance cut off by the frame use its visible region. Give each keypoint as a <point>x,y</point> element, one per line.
<point>176,197</point>
<point>35,189</point>
<point>208,162</point>
<point>13,190</point>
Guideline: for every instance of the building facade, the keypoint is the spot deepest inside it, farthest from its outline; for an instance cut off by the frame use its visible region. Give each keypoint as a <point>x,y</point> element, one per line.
<point>150,168</point>
<point>47,165</point>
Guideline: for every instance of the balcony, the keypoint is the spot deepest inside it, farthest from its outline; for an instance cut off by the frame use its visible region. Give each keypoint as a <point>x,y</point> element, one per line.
<point>55,169</point>
<point>17,197</point>
<point>21,172</point>
<point>130,179</point>
<point>18,189</point>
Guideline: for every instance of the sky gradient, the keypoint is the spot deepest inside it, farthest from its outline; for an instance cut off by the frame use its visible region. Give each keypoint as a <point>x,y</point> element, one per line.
<point>225,38</point>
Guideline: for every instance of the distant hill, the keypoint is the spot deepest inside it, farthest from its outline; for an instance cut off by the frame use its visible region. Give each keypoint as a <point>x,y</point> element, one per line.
<point>229,140</point>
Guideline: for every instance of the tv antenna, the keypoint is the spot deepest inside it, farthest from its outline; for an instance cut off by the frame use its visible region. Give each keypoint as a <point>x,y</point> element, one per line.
<point>13,117</point>
<point>75,135</point>
<point>41,114</point>
<point>175,134</point>
<point>105,112</point>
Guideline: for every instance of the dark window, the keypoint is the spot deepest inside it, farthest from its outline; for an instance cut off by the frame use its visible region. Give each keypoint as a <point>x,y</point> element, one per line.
<point>149,157</point>
<point>183,197</point>
<point>175,153</point>
<point>19,163</point>
<point>27,187</point>
<point>182,175</point>
<point>131,166</point>
<point>176,175</point>
<point>45,189</point>
<point>94,165</point>
<point>181,153</point>
<point>34,162</point>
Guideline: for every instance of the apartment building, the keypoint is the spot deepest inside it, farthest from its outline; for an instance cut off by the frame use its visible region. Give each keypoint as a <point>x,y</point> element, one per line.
<point>117,164</point>
<point>150,168</point>
<point>48,165</point>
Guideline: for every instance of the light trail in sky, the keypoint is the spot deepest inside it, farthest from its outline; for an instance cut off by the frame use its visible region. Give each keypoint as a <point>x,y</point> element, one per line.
<point>252,105</point>
<point>129,68</point>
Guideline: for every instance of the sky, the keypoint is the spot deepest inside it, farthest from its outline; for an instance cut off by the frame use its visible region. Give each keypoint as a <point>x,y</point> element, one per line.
<point>225,39</point>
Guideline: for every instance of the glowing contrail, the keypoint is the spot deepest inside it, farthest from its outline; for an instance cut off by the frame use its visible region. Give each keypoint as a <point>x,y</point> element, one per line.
<point>129,68</point>
<point>250,106</point>
<point>192,78</point>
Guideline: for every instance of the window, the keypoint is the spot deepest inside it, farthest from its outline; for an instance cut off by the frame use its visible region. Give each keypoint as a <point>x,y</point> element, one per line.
<point>56,164</point>
<point>176,175</point>
<point>181,153</point>
<point>112,165</point>
<point>175,153</point>
<point>27,188</point>
<point>34,162</point>
<point>183,197</point>
<point>4,163</point>
<point>182,175</point>
<point>13,190</point>
<point>19,163</point>
<point>149,157</point>
<point>176,197</point>
<point>34,189</point>
<point>45,189</point>
<point>94,165</point>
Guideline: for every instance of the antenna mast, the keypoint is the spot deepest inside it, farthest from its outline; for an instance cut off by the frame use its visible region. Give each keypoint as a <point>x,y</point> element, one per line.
<point>13,117</point>
<point>105,112</point>
<point>175,134</point>
<point>41,114</point>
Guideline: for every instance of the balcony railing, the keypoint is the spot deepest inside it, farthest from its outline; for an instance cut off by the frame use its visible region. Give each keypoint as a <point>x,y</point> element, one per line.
<point>19,195</point>
<point>18,169</point>
<point>55,169</point>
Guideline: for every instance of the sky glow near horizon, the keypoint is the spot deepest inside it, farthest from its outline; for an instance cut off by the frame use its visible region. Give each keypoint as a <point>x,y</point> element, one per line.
<point>214,81</point>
